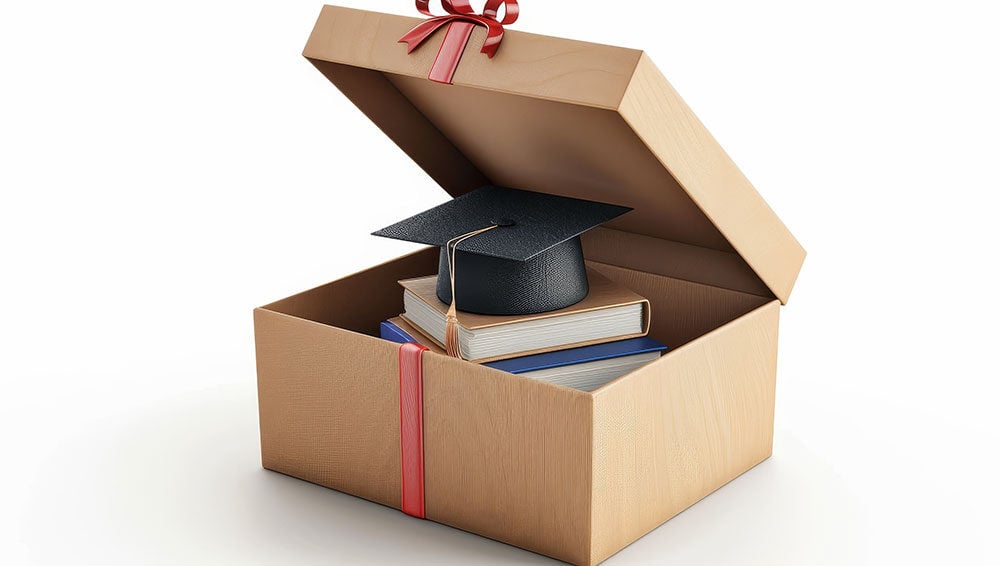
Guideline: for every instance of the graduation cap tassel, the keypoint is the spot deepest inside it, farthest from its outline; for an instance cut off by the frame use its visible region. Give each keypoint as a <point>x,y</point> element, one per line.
<point>451,318</point>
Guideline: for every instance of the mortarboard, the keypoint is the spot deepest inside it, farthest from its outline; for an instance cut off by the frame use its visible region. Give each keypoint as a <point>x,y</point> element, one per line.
<point>514,252</point>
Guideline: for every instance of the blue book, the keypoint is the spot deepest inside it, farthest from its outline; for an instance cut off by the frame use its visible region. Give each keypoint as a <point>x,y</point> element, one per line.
<point>585,368</point>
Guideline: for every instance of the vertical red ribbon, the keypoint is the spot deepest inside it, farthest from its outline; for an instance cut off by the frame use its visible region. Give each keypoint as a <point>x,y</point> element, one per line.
<point>460,20</point>
<point>446,63</point>
<point>411,428</point>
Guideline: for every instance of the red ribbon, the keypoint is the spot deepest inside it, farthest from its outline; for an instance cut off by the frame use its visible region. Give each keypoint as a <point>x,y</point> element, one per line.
<point>461,20</point>
<point>411,428</point>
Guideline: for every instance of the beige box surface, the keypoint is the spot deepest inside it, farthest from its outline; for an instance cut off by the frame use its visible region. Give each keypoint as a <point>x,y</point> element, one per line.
<point>573,475</point>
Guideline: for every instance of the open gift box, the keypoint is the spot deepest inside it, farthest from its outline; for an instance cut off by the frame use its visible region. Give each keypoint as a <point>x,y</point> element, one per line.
<point>570,474</point>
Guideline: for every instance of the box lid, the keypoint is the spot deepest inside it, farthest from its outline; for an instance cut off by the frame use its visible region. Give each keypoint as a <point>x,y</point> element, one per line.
<point>562,117</point>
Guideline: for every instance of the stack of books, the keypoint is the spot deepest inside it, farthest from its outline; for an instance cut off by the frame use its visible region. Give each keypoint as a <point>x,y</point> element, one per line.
<point>583,346</point>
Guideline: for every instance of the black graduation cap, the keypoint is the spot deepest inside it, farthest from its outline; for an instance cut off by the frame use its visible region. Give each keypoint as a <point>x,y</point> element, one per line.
<point>519,251</point>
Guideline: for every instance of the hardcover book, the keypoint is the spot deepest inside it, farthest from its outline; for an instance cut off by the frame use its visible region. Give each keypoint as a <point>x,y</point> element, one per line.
<point>586,368</point>
<point>609,312</point>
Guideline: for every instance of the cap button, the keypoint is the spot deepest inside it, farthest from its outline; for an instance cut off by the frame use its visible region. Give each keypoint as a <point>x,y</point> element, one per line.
<point>503,222</point>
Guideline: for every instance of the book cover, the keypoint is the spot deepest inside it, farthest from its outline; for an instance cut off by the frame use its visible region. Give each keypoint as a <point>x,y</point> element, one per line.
<point>604,296</point>
<point>398,330</point>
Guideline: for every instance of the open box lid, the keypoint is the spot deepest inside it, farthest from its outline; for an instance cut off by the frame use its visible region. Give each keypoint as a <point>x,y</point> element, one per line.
<point>557,116</point>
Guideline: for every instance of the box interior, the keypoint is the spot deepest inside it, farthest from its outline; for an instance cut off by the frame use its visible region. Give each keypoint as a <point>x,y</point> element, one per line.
<point>561,117</point>
<point>681,310</point>
<point>563,149</point>
<point>666,249</point>
<point>539,144</point>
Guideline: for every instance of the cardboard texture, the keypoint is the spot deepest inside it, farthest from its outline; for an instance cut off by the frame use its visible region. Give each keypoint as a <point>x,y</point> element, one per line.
<point>569,474</point>
<point>574,119</point>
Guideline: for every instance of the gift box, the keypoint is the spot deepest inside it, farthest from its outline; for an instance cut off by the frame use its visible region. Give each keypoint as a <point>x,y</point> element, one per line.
<point>570,474</point>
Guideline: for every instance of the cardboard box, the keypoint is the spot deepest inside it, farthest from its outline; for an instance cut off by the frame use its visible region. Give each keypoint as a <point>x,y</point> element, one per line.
<point>573,475</point>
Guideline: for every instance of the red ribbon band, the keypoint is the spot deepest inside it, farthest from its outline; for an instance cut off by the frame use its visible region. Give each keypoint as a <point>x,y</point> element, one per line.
<point>461,20</point>
<point>411,428</point>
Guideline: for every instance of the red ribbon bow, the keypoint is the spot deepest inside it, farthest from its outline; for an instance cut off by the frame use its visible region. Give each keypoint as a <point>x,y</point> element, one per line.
<point>461,20</point>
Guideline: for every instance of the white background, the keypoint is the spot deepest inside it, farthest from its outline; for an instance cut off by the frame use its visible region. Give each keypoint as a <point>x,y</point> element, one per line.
<point>166,167</point>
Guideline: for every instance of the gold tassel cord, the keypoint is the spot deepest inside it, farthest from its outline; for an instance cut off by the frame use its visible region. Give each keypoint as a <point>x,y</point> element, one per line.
<point>451,318</point>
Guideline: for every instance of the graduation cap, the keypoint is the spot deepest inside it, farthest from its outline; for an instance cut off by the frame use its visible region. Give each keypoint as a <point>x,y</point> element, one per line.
<point>513,252</point>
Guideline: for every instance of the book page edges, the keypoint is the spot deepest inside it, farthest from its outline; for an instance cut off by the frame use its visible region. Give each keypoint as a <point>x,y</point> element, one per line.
<point>437,347</point>
<point>603,294</point>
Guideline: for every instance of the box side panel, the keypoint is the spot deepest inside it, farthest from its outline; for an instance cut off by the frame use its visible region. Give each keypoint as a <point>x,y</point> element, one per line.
<point>564,149</point>
<point>682,310</point>
<point>670,129</point>
<point>527,64</point>
<point>403,123</point>
<point>678,429</point>
<point>361,301</point>
<point>607,125</point>
<point>508,458</point>
<point>329,406</point>
<point>673,259</point>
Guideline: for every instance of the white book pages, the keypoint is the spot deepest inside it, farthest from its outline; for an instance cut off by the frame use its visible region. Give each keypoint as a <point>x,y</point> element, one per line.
<point>530,335</point>
<point>589,376</point>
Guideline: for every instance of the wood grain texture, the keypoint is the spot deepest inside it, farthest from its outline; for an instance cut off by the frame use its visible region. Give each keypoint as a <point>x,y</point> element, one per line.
<point>398,119</point>
<point>328,392</point>
<point>564,149</point>
<point>681,310</point>
<point>507,457</point>
<point>676,430</point>
<point>572,118</point>
<point>674,259</point>
<point>526,64</point>
<point>565,473</point>
<point>698,163</point>
<point>573,475</point>
<point>329,406</point>
<point>359,302</point>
